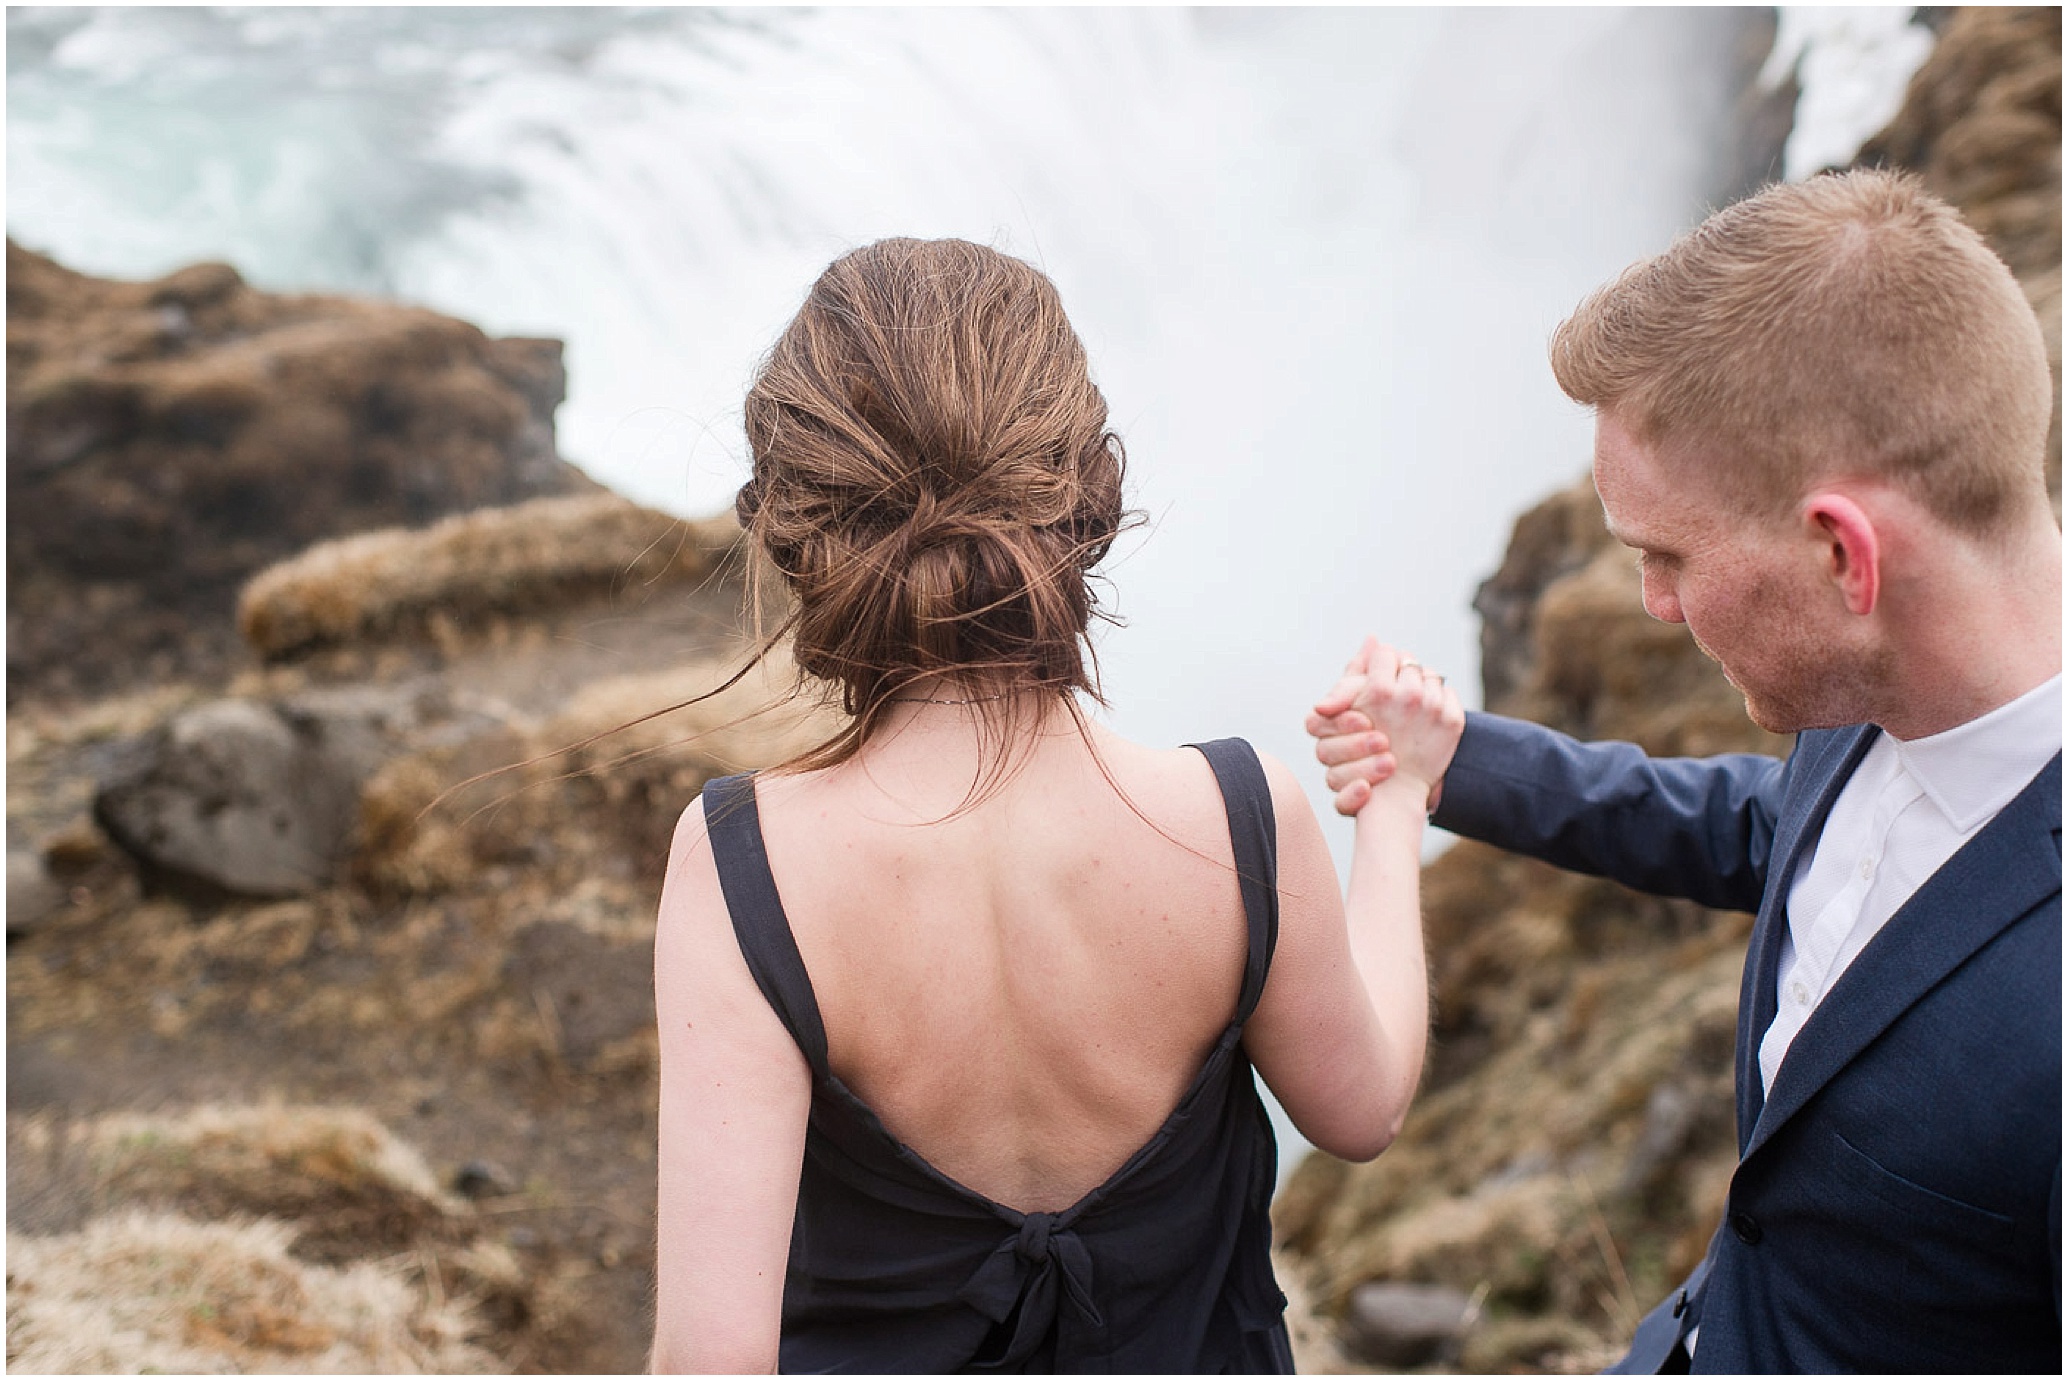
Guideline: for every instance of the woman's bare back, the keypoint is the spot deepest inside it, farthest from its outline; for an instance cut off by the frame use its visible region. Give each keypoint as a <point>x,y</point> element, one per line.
<point>1022,992</point>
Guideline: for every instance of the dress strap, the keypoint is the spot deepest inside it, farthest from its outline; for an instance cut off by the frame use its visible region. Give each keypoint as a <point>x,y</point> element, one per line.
<point>1253,830</point>
<point>732,821</point>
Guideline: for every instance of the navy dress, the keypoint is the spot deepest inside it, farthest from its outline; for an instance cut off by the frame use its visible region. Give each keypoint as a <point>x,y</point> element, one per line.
<point>895,1267</point>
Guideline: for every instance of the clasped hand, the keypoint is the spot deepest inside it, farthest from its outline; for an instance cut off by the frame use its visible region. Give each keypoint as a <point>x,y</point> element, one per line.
<point>1388,720</point>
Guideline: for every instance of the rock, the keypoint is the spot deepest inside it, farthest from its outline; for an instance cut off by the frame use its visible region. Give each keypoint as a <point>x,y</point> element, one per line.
<point>229,795</point>
<point>33,896</point>
<point>1761,116</point>
<point>254,798</point>
<point>1670,1119</point>
<point>1394,1325</point>
<point>1558,536</point>
<point>75,848</point>
<point>1981,123</point>
<point>166,440</point>
<point>481,1179</point>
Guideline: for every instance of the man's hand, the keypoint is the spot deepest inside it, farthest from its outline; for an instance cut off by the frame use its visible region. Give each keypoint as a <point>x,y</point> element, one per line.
<point>1386,715</point>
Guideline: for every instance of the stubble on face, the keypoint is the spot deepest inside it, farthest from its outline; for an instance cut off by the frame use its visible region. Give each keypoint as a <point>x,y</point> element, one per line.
<point>1744,591</point>
<point>1791,655</point>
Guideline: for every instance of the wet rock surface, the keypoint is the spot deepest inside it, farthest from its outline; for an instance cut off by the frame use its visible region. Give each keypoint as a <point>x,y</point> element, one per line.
<point>167,439</point>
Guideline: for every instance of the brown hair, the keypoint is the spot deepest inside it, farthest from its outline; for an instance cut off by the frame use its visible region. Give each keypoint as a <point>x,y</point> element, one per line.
<point>1851,323</point>
<point>935,482</point>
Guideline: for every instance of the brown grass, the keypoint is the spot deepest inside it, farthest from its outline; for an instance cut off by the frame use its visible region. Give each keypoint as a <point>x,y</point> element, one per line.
<point>145,1291</point>
<point>592,779</point>
<point>343,1146</point>
<point>473,570</point>
<point>1512,1179</point>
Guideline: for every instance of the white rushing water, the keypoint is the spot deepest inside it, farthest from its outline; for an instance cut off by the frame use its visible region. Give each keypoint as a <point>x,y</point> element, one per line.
<point>1315,254</point>
<point>1853,64</point>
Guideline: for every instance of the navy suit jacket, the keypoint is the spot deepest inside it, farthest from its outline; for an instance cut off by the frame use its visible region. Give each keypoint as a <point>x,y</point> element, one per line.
<point>1897,1201</point>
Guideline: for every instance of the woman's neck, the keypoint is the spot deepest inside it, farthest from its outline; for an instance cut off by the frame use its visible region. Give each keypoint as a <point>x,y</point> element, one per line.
<point>933,751</point>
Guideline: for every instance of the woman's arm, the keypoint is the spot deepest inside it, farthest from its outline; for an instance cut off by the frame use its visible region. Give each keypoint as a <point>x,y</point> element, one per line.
<point>1340,1032</point>
<point>735,1097</point>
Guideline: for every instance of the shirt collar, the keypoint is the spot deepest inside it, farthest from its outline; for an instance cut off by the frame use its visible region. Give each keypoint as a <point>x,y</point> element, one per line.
<point>1972,770</point>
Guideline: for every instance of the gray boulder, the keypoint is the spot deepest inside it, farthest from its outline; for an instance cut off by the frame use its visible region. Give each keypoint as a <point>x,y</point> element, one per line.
<point>33,896</point>
<point>236,796</point>
<point>260,799</point>
<point>1395,1325</point>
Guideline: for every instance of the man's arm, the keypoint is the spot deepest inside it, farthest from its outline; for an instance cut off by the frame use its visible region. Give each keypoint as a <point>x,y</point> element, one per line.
<point>1700,828</point>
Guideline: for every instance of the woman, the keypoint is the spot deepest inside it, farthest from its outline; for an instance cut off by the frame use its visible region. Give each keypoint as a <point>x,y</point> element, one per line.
<point>958,1012</point>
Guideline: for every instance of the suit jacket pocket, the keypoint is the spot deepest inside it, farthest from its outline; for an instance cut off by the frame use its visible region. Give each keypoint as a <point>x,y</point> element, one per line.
<point>1924,1206</point>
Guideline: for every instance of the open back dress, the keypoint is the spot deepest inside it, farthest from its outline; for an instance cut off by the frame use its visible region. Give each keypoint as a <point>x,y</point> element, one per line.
<point>895,1267</point>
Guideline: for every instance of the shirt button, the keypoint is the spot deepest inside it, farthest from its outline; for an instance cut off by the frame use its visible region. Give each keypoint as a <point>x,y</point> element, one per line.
<point>1747,1229</point>
<point>1800,993</point>
<point>1867,867</point>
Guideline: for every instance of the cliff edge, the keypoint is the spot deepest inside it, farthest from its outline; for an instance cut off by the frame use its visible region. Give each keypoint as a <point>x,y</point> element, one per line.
<point>167,439</point>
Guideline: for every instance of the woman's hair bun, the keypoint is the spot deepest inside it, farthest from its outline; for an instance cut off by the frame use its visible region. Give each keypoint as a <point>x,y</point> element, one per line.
<point>933,475</point>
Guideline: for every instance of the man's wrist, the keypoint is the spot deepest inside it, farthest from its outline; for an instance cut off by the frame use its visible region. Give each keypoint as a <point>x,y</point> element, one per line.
<point>1403,792</point>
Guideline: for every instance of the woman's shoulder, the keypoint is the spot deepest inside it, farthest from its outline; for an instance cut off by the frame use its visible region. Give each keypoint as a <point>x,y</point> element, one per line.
<point>1191,765</point>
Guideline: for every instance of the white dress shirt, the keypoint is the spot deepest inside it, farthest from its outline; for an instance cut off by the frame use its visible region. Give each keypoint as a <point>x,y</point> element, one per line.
<point>1907,808</point>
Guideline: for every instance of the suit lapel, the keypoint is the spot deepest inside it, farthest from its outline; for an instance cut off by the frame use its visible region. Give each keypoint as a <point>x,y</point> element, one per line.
<point>1758,995</point>
<point>2013,865</point>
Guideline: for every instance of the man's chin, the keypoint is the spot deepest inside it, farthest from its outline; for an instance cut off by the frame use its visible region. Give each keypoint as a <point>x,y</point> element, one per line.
<point>1789,719</point>
<point>1766,716</point>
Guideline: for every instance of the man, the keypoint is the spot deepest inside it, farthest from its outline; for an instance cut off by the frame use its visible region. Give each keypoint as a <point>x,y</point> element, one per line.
<point>1821,421</point>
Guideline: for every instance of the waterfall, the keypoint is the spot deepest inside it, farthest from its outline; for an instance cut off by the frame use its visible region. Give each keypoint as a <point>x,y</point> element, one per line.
<point>1314,254</point>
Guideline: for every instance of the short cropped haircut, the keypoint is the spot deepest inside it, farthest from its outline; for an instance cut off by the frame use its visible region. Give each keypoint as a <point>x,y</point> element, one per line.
<point>1850,324</point>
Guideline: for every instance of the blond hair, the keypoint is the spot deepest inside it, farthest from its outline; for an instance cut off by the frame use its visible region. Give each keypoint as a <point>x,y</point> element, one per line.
<point>1850,324</point>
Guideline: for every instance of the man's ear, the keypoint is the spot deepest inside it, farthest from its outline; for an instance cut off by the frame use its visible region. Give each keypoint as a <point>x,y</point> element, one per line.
<point>1852,549</point>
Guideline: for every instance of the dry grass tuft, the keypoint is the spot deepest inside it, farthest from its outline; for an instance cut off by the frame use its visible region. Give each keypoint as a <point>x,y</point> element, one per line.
<point>141,1291</point>
<point>349,1185</point>
<point>1316,1352</point>
<point>750,725</point>
<point>1570,1175</point>
<point>344,1146</point>
<point>625,783</point>
<point>482,568</point>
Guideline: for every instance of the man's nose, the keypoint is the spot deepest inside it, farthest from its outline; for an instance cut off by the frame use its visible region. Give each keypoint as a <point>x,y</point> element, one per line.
<point>1661,600</point>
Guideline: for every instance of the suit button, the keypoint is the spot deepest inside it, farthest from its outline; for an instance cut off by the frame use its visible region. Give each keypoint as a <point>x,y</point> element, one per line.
<point>1747,1228</point>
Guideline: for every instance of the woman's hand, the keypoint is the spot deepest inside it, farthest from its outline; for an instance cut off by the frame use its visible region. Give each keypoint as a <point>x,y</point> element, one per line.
<point>1388,719</point>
